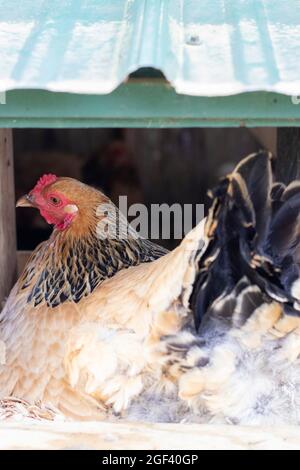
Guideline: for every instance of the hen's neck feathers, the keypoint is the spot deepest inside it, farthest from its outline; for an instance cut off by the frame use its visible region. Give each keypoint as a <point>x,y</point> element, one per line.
<point>72,263</point>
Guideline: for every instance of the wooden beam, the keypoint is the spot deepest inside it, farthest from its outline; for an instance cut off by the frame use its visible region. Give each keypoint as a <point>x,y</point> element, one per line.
<point>288,153</point>
<point>8,256</point>
<point>32,434</point>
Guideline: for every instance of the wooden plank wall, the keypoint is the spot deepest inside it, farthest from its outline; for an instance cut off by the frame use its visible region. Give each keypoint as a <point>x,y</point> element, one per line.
<point>8,256</point>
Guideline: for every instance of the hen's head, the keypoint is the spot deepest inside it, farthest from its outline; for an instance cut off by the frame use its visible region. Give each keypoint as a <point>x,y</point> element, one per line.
<point>61,200</point>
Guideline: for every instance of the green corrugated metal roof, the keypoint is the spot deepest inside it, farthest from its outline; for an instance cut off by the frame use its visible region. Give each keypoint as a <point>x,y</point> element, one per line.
<point>204,47</point>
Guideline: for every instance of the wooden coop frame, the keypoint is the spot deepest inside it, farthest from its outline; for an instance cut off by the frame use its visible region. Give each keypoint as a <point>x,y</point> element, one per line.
<point>146,101</point>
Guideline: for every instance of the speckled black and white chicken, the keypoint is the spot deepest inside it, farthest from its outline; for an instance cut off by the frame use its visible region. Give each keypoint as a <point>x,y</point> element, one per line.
<point>243,363</point>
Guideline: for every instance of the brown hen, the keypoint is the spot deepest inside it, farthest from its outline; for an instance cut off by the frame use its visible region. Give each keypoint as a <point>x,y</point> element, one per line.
<point>79,329</point>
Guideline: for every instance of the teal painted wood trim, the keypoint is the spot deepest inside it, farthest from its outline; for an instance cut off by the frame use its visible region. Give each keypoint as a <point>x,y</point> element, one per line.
<point>143,103</point>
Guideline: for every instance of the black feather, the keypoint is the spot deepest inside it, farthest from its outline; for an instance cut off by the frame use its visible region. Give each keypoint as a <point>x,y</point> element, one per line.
<point>254,232</point>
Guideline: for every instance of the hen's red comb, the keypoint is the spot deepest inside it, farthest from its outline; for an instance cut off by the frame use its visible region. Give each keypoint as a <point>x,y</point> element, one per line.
<point>44,181</point>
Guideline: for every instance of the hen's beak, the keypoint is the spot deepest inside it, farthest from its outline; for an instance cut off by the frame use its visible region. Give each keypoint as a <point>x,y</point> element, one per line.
<point>25,201</point>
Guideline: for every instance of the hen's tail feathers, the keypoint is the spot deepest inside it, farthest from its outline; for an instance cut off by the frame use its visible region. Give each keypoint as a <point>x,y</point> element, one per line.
<point>248,288</point>
<point>252,233</point>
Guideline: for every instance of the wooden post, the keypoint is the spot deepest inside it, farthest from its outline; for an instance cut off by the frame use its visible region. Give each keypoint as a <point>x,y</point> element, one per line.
<point>288,154</point>
<point>8,255</point>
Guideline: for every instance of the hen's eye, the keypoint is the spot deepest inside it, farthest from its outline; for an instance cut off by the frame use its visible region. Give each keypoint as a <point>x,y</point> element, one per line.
<point>54,200</point>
